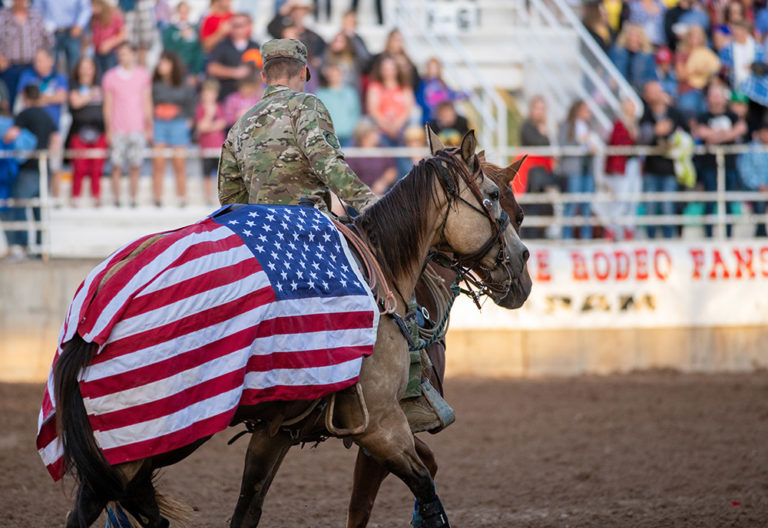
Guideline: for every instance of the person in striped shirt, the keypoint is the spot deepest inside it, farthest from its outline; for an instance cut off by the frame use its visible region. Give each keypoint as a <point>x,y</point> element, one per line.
<point>753,168</point>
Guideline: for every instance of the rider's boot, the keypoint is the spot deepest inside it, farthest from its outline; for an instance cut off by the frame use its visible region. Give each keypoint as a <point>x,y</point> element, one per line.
<point>428,411</point>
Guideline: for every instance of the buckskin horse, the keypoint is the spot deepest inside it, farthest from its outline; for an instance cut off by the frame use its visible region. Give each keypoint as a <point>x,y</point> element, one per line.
<point>445,201</point>
<point>265,456</point>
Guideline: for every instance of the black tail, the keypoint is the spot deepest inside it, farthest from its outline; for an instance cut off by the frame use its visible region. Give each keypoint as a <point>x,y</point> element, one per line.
<point>82,456</point>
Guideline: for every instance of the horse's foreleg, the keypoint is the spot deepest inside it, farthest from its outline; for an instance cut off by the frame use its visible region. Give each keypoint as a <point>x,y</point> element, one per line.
<point>391,443</point>
<point>367,480</point>
<point>263,459</point>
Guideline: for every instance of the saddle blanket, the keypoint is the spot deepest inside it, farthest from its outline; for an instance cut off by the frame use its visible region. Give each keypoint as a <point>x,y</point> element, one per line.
<point>252,304</point>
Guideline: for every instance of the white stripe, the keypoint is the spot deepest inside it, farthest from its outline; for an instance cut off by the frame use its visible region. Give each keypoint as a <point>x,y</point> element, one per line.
<point>73,314</point>
<point>169,386</point>
<point>308,376</point>
<point>322,340</point>
<point>188,306</point>
<point>205,264</point>
<point>52,452</point>
<point>193,340</point>
<point>151,270</point>
<point>170,423</point>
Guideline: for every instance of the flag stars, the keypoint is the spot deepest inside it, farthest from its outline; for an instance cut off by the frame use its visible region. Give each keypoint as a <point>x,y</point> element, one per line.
<point>262,238</point>
<point>300,274</point>
<point>233,222</point>
<point>273,255</point>
<point>294,286</point>
<point>316,266</point>
<point>325,285</point>
<point>330,274</point>
<point>284,225</point>
<point>327,237</point>
<point>287,264</point>
<point>343,283</point>
<point>345,268</point>
<point>284,275</point>
<point>259,248</point>
<point>311,284</point>
<point>289,255</point>
<point>296,237</point>
<point>247,232</point>
<point>279,287</point>
<point>250,223</point>
<point>278,245</point>
<point>313,275</point>
<point>338,248</point>
<point>253,214</point>
<point>292,246</point>
<point>272,266</point>
<point>267,228</point>
<point>280,235</point>
<point>311,238</point>
<point>333,257</point>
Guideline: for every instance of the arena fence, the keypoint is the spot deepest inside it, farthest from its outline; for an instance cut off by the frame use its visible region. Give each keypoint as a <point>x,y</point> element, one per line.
<point>719,220</point>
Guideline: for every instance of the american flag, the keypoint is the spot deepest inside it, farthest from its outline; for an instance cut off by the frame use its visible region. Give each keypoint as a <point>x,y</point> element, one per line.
<point>251,304</point>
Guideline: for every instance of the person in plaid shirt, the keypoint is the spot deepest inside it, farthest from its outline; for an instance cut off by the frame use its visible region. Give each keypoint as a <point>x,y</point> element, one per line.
<point>753,168</point>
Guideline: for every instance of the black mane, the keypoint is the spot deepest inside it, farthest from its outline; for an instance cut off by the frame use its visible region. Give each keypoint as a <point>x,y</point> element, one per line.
<point>396,225</point>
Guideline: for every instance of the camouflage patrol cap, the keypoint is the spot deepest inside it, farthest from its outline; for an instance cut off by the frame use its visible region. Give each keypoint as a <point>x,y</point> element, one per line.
<point>284,49</point>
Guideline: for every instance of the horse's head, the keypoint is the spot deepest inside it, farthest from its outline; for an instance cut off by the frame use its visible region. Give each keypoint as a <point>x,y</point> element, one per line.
<point>481,223</point>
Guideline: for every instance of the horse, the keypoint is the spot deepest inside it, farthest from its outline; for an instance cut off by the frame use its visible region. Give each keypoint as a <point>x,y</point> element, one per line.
<point>368,474</point>
<point>445,202</point>
<point>265,456</point>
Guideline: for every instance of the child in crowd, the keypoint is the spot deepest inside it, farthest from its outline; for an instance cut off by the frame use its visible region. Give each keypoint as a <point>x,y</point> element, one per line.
<point>449,125</point>
<point>86,104</point>
<point>376,172</point>
<point>174,107</point>
<point>108,30</point>
<point>342,102</point>
<point>249,91</point>
<point>127,117</point>
<point>413,137</point>
<point>433,90</point>
<point>211,127</point>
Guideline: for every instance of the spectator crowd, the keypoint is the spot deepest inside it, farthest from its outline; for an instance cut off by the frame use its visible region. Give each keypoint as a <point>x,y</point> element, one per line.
<point>124,75</point>
<point>700,69</point>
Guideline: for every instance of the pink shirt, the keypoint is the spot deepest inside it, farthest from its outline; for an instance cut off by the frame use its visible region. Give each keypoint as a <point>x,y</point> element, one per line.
<point>210,140</point>
<point>128,89</point>
<point>102,33</point>
<point>235,105</point>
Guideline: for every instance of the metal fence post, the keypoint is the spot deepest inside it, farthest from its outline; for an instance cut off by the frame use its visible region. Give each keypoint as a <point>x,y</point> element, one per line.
<point>45,205</point>
<point>721,209</point>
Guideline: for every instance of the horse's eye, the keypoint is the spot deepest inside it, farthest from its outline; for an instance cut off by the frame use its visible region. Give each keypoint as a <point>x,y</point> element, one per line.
<point>494,195</point>
<point>520,217</point>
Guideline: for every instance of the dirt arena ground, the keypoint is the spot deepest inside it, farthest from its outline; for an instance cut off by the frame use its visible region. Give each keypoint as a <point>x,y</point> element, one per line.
<point>644,450</point>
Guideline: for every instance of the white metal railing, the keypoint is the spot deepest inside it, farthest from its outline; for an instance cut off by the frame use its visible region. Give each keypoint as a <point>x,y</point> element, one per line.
<point>720,196</point>
<point>597,81</point>
<point>490,107</point>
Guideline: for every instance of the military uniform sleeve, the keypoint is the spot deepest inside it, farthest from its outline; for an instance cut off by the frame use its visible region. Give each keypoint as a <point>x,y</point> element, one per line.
<point>318,142</point>
<point>232,187</point>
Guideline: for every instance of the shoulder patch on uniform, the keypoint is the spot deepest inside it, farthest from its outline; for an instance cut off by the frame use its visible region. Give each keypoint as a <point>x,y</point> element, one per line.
<point>331,139</point>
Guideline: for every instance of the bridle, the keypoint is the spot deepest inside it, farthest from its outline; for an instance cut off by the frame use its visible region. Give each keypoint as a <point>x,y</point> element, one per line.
<point>465,264</point>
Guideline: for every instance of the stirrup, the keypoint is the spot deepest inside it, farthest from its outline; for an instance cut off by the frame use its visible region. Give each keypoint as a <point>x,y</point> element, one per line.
<point>428,412</point>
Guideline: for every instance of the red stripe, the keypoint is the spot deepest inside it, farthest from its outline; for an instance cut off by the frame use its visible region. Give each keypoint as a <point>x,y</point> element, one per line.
<point>186,325</point>
<point>189,287</point>
<point>56,469</point>
<point>168,367</point>
<point>293,393</point>
<point>306,359</point>
<point>117,282</point>
<point>299,324</point>
<point>47,434</point>
<point>167,406</point>
<point>171,441</point>
<point>47,403</point>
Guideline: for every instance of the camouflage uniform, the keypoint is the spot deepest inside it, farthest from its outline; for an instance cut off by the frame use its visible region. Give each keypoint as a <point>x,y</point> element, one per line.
<point>285,147</point>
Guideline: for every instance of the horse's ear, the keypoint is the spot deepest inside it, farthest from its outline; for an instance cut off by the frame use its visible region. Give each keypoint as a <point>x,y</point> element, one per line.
<point>468,146</point>
<point>433,141</point>
<point>481,156</point>
<point>511,171</point>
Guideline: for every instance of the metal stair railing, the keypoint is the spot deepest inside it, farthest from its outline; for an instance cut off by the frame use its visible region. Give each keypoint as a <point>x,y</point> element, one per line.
<point>491,109</point>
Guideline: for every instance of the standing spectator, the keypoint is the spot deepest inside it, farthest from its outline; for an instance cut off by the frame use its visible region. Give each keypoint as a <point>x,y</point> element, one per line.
<point>127,117</point>
<point>695,65</point>
<point>739,55</point>
<point>341,53</point>
<point>718,126</point>
<point>249,92</point>
<point>86,104</point>
<point>216,25</point>
<point>622,175</point>
<point>349,28</point>
<point>665,72</point>
<point>174,109</point>
<point>22,33</point>
<point>27,185</point>
<point>141,25</point>
<point>578,170</point>
<point>230,61</point>
<point>377,5</point>
<point>376,172</point>
<point>53,86</point>
<point>538,176</point>
<point>66,19</point>
<point>449,125</point>
<point>211,127</point>
<point>414,137</point>
<point>596,22</point>
<point>108,30</point>
<point>433,90</point>
<point>659,122</point>
<point>633,57</point>
<point>395,49</point>
<point>753,168</point>
<point>685,14</point>
<point>181,37</point>
<point>390,100</point>
<point>294,13</point>
<point>342,102</point>
<point>650,15</point>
